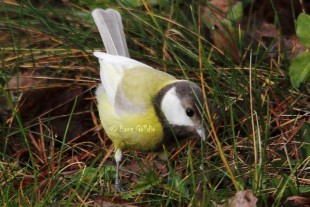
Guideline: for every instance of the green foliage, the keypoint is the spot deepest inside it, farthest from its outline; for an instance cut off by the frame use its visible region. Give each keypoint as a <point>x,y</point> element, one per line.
<point>236,12</point>
<point>299,70</point>
<point>303,29</point>
<point>92,4</point>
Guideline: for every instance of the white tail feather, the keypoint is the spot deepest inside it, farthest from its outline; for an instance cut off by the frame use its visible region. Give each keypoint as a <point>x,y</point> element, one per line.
<point>109,24</point>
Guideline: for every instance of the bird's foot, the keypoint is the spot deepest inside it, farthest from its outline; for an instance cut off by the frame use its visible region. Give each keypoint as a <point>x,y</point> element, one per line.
<point>118,188</point>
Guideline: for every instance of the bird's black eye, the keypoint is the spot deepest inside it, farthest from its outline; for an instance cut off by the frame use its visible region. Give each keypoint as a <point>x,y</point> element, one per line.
<point>189,112</point>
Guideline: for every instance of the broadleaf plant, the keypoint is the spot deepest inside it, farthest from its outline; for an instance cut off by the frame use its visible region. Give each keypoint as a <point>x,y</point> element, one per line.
<point>299,70</point>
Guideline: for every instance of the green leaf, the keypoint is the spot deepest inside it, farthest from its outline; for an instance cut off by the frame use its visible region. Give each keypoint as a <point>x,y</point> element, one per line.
<point>236,12</point>
<point>303,29</point>
<point>299,70</point>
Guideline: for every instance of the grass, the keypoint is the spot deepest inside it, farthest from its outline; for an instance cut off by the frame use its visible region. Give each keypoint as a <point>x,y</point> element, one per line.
<point>54,153</point>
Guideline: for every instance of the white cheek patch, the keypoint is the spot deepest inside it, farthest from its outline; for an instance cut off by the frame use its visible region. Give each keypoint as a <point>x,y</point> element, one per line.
<point>173,109</point>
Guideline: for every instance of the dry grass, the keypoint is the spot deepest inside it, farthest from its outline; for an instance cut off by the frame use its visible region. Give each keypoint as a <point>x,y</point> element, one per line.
<point>53,151</point>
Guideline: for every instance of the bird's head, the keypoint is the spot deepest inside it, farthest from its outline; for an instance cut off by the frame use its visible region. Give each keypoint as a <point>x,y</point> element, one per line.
<point>182,106</point>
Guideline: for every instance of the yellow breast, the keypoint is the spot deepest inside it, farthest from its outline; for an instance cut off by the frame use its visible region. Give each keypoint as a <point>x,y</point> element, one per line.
<point>132,131</point>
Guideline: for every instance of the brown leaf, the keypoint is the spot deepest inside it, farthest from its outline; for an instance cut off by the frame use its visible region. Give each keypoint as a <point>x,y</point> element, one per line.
<point>293,46</point>
<point>297,201</point>
<point>223,36</point>
<point>145,166</point>
<point>243,198</point>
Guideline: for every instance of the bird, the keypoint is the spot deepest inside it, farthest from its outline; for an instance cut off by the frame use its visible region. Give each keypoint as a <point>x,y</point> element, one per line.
<point>141,108</point>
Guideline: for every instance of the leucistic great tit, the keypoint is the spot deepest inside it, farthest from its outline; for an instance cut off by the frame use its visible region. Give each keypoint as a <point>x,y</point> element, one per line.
<point>141,108</point>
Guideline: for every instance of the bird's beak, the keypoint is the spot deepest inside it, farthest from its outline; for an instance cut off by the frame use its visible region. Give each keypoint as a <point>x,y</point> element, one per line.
<point>202,133</point>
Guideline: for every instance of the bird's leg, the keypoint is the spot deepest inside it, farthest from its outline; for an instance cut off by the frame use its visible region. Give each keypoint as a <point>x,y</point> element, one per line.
<point>118,158</point>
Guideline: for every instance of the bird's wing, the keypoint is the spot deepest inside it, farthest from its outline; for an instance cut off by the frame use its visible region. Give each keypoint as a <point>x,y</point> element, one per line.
<point>130,85</point>
<point>109,24</point>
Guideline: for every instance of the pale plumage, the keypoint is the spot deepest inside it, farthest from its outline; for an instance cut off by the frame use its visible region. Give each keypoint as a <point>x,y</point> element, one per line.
<point>109,24</point>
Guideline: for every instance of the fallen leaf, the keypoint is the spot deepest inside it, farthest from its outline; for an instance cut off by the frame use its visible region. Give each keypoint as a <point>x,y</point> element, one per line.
<point>215,14</point>
<point>243,198</point>
<point>297,201</point>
